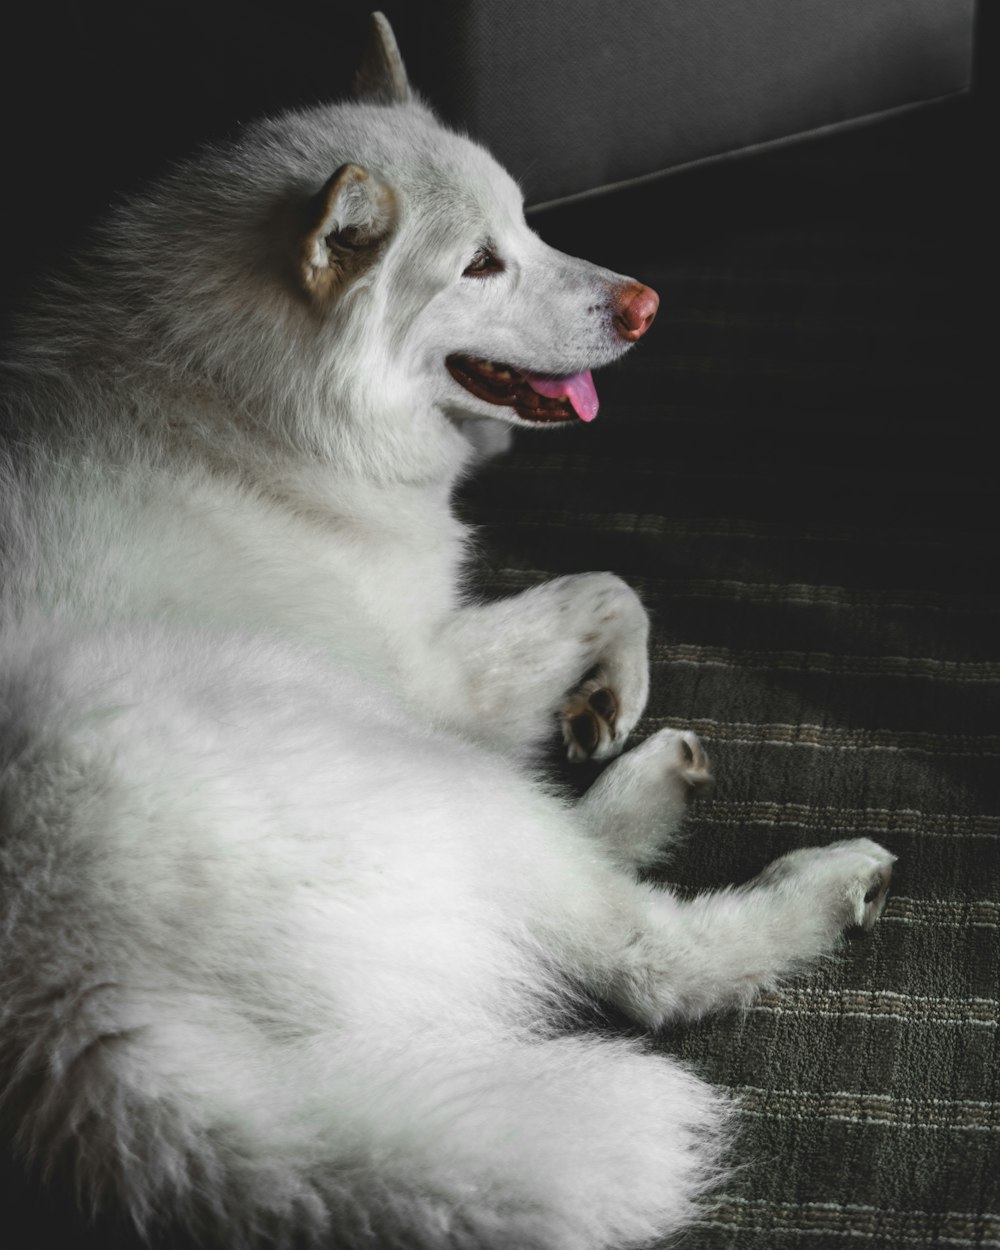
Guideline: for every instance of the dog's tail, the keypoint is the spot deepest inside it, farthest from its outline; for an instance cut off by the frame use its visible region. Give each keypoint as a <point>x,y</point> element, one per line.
<point>569,1143</point>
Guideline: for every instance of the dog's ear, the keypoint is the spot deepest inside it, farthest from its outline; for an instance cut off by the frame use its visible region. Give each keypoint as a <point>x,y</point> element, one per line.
<point>347,224</point>
<point>381,76</point>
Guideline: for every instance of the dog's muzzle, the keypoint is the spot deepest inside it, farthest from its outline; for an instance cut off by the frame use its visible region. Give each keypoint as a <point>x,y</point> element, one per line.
<point>541,399</point>
<point>553,399</point>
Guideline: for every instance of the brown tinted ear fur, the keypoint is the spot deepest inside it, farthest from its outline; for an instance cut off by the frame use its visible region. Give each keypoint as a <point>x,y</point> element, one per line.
<point>347,224</point>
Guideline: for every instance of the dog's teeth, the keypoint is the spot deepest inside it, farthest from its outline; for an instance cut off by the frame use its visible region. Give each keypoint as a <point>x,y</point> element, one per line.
<point>503,374</point>
<point>487,367</point>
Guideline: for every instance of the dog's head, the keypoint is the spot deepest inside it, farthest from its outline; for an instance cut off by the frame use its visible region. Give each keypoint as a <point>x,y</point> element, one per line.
<point>358,272</point>
<point>492,321</point>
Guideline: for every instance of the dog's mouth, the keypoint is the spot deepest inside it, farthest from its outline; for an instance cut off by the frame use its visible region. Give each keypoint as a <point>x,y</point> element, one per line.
<point>538,398</point>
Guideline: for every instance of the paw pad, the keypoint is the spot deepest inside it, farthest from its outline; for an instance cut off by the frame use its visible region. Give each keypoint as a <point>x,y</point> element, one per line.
<point>588,722</point>
<point>585,732</point>
<point>604,704</point>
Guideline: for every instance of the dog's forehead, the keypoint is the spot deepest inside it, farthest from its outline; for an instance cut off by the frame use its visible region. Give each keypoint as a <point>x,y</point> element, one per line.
<point>427,164</point>
<point>450,173</point>
<point>470,204</point>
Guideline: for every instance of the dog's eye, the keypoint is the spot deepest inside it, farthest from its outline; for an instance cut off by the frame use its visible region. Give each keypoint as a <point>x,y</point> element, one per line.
<point>483,264</point>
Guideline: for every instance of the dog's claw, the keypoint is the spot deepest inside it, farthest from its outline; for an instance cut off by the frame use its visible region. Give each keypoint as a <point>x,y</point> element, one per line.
<point>875,897</point>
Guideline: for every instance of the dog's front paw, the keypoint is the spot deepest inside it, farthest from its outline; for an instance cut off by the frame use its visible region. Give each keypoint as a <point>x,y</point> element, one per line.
<point>638,803</point>
<point>692,768</point>
<point>673,760</point>
<point>612,632</point>
<point>596,721</point>
<point>845,881</point>
<point>589,722</point>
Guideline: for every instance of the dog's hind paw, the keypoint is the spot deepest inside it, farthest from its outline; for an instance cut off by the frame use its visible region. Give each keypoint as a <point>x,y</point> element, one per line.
<point>848,880</point>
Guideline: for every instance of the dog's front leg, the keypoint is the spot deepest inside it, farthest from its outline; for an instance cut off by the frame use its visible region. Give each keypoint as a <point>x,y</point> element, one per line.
<point>574,648</point>
<point>638,803</point>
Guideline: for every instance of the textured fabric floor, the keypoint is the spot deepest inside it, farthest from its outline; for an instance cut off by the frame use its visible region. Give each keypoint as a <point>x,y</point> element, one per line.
<point>789,469</point>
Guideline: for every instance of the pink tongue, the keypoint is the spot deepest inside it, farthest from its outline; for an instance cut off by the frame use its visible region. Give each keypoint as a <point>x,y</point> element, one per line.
<point>578,388</point>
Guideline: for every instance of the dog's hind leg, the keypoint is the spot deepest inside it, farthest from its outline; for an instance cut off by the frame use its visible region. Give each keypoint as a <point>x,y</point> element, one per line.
<point>638,803</point>
<point>661,957</point>
<point>574,648</point>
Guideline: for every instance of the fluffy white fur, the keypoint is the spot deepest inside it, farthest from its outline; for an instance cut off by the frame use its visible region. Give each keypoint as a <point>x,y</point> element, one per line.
<point>288,923</point>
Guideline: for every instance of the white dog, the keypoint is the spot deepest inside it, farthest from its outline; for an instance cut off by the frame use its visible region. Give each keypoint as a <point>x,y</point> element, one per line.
<point>289,927</point>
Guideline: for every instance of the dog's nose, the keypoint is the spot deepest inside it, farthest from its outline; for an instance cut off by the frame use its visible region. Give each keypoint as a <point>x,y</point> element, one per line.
<point>635,312</point>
